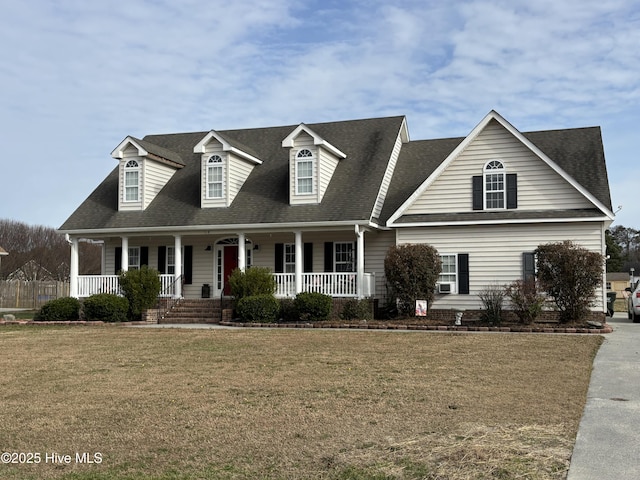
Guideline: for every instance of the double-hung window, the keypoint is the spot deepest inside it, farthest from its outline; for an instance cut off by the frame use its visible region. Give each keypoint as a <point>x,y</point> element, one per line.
<point>134,258</point>
<point>171,260</point>
<point>449,273</point>
<point>304,172</point>
<point>494,185</point>
<point>289,258</point>
<point>344,257</point>
<point>215,177</point>
<point>132,181</point>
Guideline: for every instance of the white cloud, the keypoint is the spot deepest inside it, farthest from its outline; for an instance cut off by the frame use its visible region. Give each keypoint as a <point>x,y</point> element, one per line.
<point>76,77</point>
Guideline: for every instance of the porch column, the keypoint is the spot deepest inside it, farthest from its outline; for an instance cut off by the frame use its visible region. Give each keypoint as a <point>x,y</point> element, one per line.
<point>242,253</point>
<point>360,262</point>
<point>103,260</point>
<point>73,269</point>
<point>125,254</point>
<point>299,261</point>
<point>178,267</point>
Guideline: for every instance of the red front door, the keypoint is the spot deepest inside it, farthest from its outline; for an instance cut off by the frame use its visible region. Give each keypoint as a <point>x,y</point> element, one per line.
<point>230,259</point>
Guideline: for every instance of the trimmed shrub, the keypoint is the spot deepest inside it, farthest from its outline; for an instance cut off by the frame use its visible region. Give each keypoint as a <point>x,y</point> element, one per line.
<point>253,281</point>
<point>525,299</point>
<point>288,312</point>
<point>313,306</point>
<point>357,309</point>
<point>258,308</point>
<point>141,288</point>
<point>60,309</point>
<point>412,273</point>
<point>570,274</point>
<point>106,307</point>
<point>492,298</point>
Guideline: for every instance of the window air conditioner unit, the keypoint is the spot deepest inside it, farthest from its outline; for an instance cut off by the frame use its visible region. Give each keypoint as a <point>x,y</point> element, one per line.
<point>444,288</point>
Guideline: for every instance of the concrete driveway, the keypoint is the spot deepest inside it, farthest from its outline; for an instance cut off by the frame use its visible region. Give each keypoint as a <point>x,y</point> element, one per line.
<point>608,441</point>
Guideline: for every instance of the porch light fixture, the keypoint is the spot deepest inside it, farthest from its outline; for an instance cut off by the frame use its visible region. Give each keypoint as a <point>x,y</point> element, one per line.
<point>256,247</point>
<point>208,249</point>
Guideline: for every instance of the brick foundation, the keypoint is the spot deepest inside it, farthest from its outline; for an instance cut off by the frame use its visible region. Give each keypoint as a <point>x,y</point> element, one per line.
<point>447,316</point>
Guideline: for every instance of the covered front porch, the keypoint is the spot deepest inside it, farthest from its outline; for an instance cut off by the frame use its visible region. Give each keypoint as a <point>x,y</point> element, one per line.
<point>196,265</point>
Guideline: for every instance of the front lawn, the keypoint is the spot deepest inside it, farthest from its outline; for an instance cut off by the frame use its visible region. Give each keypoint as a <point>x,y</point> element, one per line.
<point>211,404</point>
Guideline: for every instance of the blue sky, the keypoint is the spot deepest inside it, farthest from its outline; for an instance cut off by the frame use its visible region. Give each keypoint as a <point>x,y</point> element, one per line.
<point>77,77</point>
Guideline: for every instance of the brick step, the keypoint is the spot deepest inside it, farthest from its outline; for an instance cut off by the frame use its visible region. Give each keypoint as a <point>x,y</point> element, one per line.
<point>194,311</point>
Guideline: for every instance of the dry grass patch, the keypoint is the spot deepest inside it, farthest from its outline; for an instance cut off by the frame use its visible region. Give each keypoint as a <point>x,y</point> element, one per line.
<point>178,404</point>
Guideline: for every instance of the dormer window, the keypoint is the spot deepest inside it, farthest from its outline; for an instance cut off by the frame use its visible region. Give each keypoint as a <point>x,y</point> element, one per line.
<point>132,181</point>
<point>215,177</point>
<point>304,172</point>
<point>494,185</point>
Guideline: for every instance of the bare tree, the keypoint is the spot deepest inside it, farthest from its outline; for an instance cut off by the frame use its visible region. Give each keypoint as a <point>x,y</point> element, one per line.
<point>39,252</point>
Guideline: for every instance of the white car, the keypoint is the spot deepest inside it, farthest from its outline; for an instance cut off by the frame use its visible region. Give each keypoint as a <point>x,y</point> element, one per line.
<point>633,303</point>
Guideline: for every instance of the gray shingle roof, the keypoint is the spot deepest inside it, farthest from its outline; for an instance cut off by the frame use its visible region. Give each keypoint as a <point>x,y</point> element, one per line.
<point>351,195</point>
<point>578,151</point>
<point>264,197</point>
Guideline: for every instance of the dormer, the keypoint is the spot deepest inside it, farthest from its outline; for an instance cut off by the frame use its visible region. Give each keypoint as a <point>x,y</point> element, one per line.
<point>144,170</point>
<point>225,166</point>
<point>312,161</point>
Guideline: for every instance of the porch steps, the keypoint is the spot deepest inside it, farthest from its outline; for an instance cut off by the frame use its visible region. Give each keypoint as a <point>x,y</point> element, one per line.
<point>194,311</point>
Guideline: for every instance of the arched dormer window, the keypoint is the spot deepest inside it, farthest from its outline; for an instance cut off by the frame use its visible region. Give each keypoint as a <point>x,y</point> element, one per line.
<point>494,185</point>
<point>304,172</point>
<point>132,181</point>
<point>215,177</point>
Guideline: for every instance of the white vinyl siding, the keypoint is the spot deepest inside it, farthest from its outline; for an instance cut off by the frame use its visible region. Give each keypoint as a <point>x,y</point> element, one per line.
<point>327,163</point>
<point>539,186</point>
<point>156,176</point>
<point>235,171</point>
<point>495,252</point>
<point>151,175</point>
<point>388,174</point>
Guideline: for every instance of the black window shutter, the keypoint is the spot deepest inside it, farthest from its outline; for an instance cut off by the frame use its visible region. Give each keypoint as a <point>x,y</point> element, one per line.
<point>477,195</point>
<point>188,264</point>
<point>144,256</point>
<point>512,190</point>
<point>279,258</point>
<point>308,258</point>
<point>528,267</point>
<point>463,273</point>
<point>162,259</point>
<point>328,256</point>
<point>118,260</point>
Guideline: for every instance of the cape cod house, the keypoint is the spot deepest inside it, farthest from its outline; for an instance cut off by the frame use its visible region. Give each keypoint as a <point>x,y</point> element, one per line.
<point>320,204</point>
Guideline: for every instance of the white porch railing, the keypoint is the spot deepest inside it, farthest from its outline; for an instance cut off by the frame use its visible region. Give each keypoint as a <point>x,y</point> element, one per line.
<point>332,284</point>
<point>92,284</point>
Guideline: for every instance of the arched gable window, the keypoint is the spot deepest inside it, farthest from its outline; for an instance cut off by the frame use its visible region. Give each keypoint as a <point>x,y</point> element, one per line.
<point>304,172</point>
<point>215,177</point>
<point>494,185</point>
<point>132,181</point>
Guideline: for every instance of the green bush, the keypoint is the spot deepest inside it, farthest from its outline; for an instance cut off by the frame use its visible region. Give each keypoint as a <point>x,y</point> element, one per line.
<point>412,273</point>
<point>570,274</point>
<point>106,307</point>
<point>60,309</point>
<point>288,312</point>
<point>312,306</point>
<point>253,281</point>
<point>525,299</point>
<point>141,288</point>
<point>258,308</point>
<point>357,310</point>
